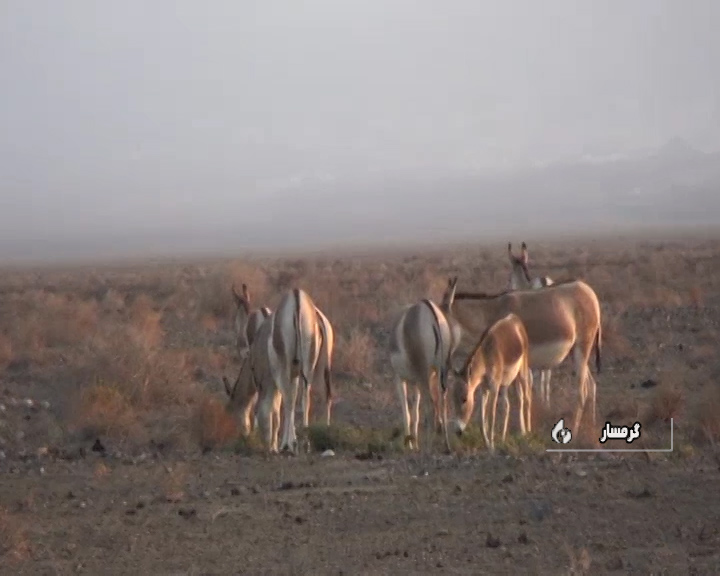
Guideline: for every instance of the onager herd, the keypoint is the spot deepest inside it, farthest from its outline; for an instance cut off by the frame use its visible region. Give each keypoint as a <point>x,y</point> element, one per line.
<point>533,325</point>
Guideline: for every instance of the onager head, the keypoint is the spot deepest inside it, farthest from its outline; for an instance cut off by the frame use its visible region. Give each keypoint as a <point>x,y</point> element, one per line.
<point>242,395</point>
<point>473,373</point>
<point>519,273</point>
<point>242,302</point>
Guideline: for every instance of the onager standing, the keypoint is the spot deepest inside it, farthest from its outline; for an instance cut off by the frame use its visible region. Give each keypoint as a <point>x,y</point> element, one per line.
<point>558,319</point>
<point>293,351</point>
<point>499,359</point>
<point>520,279</point>
<point>255,386</point>
<point>247,321</point>
<point>421,346</point>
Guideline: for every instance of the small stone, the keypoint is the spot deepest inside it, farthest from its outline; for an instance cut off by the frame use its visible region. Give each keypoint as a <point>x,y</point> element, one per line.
<point>327,454</point>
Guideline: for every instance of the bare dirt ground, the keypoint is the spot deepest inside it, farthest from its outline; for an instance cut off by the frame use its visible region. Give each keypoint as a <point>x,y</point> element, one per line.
<point>117,457</point>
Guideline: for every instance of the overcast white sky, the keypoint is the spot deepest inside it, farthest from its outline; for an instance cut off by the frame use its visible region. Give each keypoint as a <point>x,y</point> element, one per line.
<point>123,115</point>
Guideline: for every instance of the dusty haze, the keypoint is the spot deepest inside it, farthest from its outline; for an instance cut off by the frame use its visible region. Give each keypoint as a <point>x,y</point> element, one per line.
<point>176,126</point>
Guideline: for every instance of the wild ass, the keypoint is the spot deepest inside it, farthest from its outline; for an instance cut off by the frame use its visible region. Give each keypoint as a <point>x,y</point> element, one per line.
<point>422,342</point>
<point>500,358</point>
<point>255,387</point>
<point>558,319</point>
<point>293,353</point>
<point>247,321</point>
<point>520,279</point>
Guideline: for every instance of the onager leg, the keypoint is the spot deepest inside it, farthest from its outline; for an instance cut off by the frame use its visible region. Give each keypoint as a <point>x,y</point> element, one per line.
<point>265,424</point>
<point>494,395</point>
<point>519,386</point>
<point>416,416</point>
<point>276,407</point>
<point>290,392</point>
<point>306,404</point>
<point>401,389</point>
<point>484,415</point>
<point>506,419</point>
<point>581,368</point>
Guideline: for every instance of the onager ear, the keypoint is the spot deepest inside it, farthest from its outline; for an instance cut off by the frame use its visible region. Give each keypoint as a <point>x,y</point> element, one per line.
<point>524,254</point>
<point>246,293</point>
<point>228,390</point>
<point>510,254</point>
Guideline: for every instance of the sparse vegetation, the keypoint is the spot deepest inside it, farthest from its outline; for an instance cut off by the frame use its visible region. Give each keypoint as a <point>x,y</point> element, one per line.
<point>111,378</point>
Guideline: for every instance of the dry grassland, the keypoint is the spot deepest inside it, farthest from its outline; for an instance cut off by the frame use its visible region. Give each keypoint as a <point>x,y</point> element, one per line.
<point>117,455</point>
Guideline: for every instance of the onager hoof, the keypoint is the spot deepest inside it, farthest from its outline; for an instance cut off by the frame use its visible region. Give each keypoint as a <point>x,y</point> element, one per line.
<point>409,441</point>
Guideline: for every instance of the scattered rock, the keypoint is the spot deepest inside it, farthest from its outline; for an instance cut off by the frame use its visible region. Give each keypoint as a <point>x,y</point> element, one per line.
<point>98,446</point>
<point>539,510</point>
<point>299,520</point>
<point>491,541</point>
<point>328,453</point>
<point>649,383</point>
<point>614,563</point>
<point>523,538</point>
<point>644,493</point>
<point>187,513</point>
<point>234,492</point>
<point>507,479</point>
<point>45,405</point>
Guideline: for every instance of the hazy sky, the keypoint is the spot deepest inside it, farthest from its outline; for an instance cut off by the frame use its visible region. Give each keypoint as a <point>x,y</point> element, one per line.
<point>123,115</point>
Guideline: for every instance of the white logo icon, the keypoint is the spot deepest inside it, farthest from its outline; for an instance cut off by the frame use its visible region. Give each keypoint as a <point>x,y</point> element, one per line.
<point>559,430</point>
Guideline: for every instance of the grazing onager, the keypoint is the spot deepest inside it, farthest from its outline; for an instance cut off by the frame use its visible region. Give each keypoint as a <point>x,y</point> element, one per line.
<point>255,386</point>
<point>294,348</point>
<point>499,359</point>
<point>421,346</point>
<point>558,319</point>
<point>247,321</point>
<point>520,279</point>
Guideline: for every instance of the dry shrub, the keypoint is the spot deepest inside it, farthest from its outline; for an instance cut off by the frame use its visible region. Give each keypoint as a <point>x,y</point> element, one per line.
<point>613,339</point>
<point>580,562</point>
<point>696,296</point>
<point>14,545</point>
<point>113,301</point>
<point>66,321</point>
<point>6,351</point>
<point>667,402</point>
<point>355,356</point>
<point>145,323</point>
<point>214,426</point>
<point>708,415</point>
<point>104,410</point>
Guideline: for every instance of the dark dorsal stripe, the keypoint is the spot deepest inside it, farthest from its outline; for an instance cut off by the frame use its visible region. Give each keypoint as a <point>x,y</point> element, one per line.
<point>486,296</point>
<point>436,326</point>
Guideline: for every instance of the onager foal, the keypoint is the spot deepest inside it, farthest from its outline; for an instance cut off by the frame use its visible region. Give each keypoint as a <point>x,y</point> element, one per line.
<point>422,342</point>
<point>558,319</point>
<point>255,386</point>
<point>499,359</point>
<point>247,321</point>
<point>520,279</point>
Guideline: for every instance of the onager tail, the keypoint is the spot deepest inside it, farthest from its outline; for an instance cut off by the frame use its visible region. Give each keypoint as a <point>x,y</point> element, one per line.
<point>598,345</point>
<point>297,360</point>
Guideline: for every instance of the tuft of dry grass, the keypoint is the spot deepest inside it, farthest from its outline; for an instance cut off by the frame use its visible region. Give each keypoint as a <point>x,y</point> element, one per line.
<point>103,410</point>
<point>667,402</point>
<point>580,562</point>
<point>708,415</point>
<point>214,426</point>
<point>6,351</point>
<point>355,356</point>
